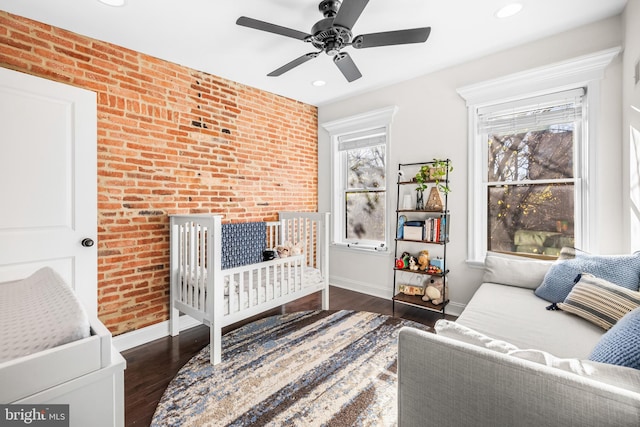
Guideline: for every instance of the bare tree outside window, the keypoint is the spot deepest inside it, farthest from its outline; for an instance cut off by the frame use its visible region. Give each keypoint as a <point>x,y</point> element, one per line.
<point>365,195</point>
<point>530,190</point>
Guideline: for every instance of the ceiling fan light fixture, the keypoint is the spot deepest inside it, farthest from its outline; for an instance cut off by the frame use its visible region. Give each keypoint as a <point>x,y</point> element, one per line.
<point>509,10</point>
<point>114,3</point>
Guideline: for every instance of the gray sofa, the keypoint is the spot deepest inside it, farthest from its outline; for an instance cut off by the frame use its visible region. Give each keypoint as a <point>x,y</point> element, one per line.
<point>507,361</point>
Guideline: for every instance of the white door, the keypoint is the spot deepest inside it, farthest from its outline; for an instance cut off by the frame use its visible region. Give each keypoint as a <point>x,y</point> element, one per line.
<point>48,181</point>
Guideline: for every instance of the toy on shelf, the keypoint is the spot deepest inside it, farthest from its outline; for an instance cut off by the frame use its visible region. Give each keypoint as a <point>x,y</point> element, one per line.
<point>435,291</point>
<point>423,259</point>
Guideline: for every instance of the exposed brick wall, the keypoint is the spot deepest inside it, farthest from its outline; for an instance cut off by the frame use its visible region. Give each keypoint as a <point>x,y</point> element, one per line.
<point>170,140</point>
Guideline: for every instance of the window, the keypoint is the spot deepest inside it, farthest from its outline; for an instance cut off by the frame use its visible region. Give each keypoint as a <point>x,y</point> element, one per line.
<point>530,157</point>
<point>531,173</point>
<point>359,179</point>
<point>362,164</point>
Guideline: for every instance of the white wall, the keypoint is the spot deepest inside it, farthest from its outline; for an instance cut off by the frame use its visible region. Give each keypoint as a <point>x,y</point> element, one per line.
<point>432,123</point>
<point>631,124</point>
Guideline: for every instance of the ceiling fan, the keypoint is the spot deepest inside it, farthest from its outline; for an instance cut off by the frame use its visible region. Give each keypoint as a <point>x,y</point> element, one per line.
<point>333,33</point>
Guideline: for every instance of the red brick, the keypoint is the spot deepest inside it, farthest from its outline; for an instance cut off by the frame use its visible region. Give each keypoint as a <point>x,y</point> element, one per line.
<point>153,161</point>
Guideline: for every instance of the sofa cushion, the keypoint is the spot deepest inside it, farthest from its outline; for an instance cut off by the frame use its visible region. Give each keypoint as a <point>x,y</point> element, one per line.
<point>514,270</point>
<point>462,333</point>
<point>621,344</point>
<point>599,301</point>
<point>623,270</point>
<point>517,316</point>
<point>618,376</point>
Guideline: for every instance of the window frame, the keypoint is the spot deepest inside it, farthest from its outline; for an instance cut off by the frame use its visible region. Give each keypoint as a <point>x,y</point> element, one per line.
<point>579,132</point>
<point>586,72</point>
<point>366,122</point>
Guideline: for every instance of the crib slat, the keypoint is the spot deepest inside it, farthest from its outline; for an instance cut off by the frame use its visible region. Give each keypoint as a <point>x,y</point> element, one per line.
<point>186,278</point>
<point>259,287</point>
<point>201,263</point>
<point>241,287</point>
<point>285,270</point>
<point>232,293</point>
<point>312,246</point>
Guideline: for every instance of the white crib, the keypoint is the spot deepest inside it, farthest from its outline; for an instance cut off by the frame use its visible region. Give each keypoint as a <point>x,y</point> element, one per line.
<point>201,288</point>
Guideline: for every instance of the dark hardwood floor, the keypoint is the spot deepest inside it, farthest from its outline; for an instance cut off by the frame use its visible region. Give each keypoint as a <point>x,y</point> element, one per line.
<point>150,367</point>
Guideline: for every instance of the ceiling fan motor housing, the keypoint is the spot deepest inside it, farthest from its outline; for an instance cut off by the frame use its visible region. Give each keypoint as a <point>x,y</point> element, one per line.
<point>326,36</point>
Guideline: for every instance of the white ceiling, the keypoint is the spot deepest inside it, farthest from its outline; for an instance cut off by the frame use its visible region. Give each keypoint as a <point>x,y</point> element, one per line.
<point>202,34</point>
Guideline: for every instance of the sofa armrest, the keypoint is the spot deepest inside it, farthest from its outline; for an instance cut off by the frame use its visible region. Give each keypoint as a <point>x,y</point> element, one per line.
<point>458,384</point>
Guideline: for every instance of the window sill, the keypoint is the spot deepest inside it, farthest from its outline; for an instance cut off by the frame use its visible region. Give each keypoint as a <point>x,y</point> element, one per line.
<point>373,250</point>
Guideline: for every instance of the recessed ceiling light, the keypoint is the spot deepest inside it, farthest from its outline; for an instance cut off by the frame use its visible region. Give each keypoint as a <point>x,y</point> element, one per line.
<point>319,83</point>
<point>115,3</point>
<point>509,10</point>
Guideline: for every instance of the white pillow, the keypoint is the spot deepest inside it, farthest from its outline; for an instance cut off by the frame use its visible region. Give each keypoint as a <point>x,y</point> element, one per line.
<point>462,333</point>
<point>619,376</point>
<point>514,270</point>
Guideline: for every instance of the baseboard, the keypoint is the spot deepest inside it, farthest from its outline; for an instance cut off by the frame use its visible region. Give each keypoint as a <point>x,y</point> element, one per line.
<point>150,333</point>
<point>362,287</point>
<point>453,308</point>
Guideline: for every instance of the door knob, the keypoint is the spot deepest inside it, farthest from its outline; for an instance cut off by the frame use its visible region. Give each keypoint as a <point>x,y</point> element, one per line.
<point>87,242</point>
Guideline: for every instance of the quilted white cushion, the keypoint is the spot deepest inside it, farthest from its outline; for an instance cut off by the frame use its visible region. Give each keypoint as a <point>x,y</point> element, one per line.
<point>38,313</point>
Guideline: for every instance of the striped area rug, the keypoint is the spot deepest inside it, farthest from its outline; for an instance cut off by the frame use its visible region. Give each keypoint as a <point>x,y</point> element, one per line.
<point>313,368</point>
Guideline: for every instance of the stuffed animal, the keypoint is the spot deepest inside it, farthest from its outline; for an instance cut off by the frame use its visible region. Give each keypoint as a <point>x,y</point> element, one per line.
<point>283,251</point>
<point>431,293</point>
<point>295,249</point>
<point>423,259</point>
<point>289,249</point>
<point>413,263</point>
<point>405,259</point>
<point>436,291</point>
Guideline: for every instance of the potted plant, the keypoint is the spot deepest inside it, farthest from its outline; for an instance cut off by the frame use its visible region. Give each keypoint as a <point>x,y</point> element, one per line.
<point>422,177</point>
<point>435,171</point>
<point>438,172</point>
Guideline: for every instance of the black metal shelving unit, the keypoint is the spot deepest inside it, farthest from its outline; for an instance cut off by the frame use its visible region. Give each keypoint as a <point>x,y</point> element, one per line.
<point>405,173</point>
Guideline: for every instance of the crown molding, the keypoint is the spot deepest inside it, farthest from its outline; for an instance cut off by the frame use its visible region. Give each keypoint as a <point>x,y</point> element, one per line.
<point>579,70</point>
<point>375,118</point>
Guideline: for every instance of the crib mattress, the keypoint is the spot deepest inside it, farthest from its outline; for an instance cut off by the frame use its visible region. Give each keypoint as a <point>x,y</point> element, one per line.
<point>37,313</point>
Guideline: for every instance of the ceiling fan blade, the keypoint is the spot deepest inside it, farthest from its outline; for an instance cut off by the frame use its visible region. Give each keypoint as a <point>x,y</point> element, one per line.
<point>349,13</point>
<point>301,60</point>
<point>388,38</point>
<point>271,28</point>
<point>347,66</point>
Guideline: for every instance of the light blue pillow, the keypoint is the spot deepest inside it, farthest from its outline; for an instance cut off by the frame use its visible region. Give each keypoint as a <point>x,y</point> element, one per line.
<point>622,270</point>
<point>620,345</point>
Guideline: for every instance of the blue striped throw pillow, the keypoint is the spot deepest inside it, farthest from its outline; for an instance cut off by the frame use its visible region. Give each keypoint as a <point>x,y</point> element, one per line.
<point>599,301</point>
